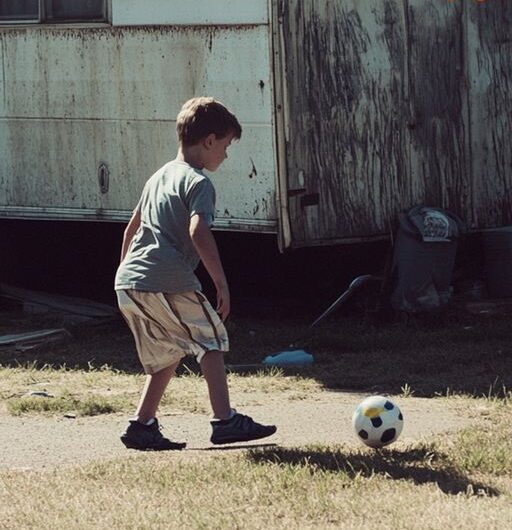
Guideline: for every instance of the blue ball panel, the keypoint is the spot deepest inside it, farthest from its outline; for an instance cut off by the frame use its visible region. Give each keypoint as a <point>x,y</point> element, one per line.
<point>377,422</point>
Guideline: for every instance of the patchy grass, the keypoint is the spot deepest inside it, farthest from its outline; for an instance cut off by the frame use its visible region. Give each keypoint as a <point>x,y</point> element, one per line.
<point>104,390</point>
<point>91,406</point>
<point>425,485</point>
<point>487,448</point>
<point>457,352</point>
<point>461,354</point>
<point>460,480</point>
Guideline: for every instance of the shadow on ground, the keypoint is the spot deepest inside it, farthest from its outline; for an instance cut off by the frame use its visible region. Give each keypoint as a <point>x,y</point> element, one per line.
<point>420,466</point>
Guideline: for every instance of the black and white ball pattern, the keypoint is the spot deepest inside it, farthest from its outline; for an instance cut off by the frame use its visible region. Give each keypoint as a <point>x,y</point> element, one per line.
<point>377,421</point>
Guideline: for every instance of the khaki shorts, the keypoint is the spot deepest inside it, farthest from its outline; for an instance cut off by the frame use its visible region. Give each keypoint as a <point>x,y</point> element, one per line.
<point>166,327</point>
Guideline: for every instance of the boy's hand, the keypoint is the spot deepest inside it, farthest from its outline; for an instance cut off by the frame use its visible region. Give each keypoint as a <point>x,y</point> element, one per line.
<point>223,301</point>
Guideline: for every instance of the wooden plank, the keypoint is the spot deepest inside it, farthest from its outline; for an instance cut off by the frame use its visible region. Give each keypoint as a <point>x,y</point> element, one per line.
<point>490,89</point>
<point>346,108</point>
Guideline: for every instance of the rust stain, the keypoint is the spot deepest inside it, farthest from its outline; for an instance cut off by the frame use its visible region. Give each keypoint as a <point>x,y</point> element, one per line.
<point>91,32</point>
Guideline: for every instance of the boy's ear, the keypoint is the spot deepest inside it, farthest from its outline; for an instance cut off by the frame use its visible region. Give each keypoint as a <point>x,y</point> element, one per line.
<point>208,140</point>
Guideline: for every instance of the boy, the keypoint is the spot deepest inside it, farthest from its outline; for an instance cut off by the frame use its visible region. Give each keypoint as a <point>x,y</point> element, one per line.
<point>158,292</point>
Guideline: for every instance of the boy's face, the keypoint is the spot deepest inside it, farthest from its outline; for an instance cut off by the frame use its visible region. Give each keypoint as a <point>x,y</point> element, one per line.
<point>216,151</point>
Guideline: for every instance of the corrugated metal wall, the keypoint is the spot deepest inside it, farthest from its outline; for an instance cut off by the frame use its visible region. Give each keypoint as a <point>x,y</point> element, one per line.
<point>394,103</point>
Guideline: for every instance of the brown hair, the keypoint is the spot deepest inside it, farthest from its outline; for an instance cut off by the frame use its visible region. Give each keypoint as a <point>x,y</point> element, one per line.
<point>202,116</point>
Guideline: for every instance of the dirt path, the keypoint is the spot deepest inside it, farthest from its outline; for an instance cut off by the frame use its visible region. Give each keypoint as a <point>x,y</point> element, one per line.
<point>43,443</point>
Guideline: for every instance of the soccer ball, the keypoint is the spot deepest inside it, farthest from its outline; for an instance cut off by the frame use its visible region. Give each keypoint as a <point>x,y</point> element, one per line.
<point>377,421</point>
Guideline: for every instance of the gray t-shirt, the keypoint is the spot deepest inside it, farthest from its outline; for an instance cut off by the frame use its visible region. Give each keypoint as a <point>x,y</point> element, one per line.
<point>162,257</point>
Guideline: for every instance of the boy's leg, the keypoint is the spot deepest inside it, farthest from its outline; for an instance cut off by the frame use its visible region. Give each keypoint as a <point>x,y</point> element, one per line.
<point>140,435</point>
<point>228,426</point>
<point>214,371</point>
<point>153,391</point>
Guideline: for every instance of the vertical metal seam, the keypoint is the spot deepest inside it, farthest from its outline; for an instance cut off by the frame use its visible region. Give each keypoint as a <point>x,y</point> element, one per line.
<point>4,86</point>
<point>469,136</point>
<point>278,115</point>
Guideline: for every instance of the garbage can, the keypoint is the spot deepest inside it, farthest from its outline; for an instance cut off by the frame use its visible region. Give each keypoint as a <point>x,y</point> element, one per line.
<point>423,259</point>
<point>498,261</point>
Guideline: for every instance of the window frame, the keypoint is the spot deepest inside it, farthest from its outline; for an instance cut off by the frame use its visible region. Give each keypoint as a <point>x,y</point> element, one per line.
<point>41,19</point>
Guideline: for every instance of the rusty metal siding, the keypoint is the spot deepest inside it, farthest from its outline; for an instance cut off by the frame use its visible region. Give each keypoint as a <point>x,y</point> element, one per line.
<point>490,92</point>
<point>73,98</point>
<point>391,104</point>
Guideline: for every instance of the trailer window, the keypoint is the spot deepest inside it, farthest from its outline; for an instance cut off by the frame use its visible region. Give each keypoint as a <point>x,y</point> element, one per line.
<point>53,10</point>
<point>75,9</point>
<point>19,10</point>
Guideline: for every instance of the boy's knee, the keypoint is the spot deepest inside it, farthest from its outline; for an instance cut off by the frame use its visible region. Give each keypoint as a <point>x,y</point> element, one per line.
<point>168,370</point>
<point>211,356</point>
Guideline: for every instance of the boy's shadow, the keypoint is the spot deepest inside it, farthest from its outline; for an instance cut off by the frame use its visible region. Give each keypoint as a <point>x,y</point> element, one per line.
<point>419,465</point>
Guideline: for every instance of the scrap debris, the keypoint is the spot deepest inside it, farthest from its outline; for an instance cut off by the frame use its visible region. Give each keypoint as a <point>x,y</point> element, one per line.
<point>39,302</point>
<point>69,309</point>
<point>32,339</point>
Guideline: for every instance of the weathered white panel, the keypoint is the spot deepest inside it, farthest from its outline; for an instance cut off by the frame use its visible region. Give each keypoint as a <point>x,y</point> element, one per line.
<point>54,164</point>
<point>245,182</point>
<point>78,97</point>
<point>377,112</point>
<point>188,12</point>
<point>134,73</point>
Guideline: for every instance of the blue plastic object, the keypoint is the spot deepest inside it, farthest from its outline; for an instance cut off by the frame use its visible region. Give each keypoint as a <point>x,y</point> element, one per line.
<point>289,358</point>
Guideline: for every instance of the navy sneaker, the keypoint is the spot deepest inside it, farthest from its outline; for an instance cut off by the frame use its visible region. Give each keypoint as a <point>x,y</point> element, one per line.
<point>148,438</point>
<point>239,428</point>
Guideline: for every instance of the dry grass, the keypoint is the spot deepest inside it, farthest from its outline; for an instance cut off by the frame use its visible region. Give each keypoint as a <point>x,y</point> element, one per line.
<point>419,487</point>
<point>104,390</point>
<point>457,352</point>
<point>460,480</point>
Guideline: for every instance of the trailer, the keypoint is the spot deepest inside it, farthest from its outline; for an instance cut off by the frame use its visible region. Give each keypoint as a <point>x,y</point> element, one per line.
<point>352,110</point>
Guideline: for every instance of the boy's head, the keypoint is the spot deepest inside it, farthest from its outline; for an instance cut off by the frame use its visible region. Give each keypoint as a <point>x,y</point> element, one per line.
<point>203,116</point>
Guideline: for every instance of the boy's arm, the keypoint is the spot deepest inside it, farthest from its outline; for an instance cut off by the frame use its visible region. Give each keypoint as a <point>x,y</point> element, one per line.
<point>129,232</point>
<point>206,247</point>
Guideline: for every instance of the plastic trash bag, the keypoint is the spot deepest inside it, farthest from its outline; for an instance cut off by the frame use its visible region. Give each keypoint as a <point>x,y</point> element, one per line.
<point>423,259</point>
